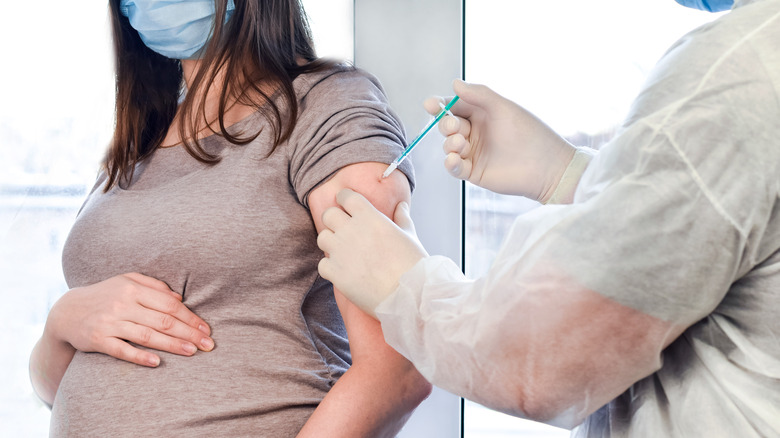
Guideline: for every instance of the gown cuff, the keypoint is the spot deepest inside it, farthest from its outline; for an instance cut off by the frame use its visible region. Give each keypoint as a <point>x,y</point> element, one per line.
<point>564,192</point>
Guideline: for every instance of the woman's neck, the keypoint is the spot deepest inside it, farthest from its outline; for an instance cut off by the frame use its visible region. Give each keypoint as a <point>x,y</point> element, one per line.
<point>205,126</point>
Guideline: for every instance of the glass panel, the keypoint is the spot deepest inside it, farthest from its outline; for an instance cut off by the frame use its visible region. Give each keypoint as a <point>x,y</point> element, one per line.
<point>577,67</point>
<point>418,61</point>
<point>55,121</point>
<point>56,118</point>
<point>332,27</point>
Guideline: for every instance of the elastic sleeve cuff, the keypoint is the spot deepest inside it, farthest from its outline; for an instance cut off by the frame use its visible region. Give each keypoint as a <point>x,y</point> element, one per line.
<point>425,289</point>
<point>564,192</point>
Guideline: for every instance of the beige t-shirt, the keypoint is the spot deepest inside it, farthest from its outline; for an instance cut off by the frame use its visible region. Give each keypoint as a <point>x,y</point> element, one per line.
<point>238,241</point>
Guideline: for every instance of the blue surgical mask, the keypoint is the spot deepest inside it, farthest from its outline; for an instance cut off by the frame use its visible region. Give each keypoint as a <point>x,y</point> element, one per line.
<point>173,28</point>
<point>708,5</point>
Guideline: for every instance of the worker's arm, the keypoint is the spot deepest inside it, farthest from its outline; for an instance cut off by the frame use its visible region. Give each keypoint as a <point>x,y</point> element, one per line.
<point>537,345</point>
<point>525,339</point>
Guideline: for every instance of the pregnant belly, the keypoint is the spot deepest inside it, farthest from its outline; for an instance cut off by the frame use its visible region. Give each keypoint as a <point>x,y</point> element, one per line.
<point>238,389</point>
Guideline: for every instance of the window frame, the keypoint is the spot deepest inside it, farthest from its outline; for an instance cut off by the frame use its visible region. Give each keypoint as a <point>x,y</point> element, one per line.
<point>414,57</point>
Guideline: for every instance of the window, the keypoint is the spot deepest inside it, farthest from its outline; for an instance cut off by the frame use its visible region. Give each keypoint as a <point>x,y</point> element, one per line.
<point>55,119</point>
<point>577,65</point>
<point>332,27</point>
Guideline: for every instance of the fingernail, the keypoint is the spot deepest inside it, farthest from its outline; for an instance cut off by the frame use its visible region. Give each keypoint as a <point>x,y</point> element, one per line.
<point>456,170</point>
<point>405,205</point>
<point>189,348</point>
<point>153,361</point>
<point>207,344</point>
<point>204,329</point>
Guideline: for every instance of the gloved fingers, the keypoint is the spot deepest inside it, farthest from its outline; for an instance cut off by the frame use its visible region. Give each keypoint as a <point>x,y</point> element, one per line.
<point>333,218</point>
<point>432,106</point>
<point>325,241</point>
<point>435,104</point>
<point>325,268</point>
<point>402,219</point>
<point>476,95</point>
<point>457,166</point>
<point>457,144</point>
<point>353,202</point>
<point>450,125</point>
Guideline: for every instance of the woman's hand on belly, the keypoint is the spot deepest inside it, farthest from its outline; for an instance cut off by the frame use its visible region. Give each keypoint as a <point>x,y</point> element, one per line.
<point>106,317</point>
<point>129,307</point>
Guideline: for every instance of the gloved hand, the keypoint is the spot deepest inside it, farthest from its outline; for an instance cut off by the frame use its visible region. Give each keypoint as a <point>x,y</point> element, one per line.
<point>496,144</point>
<point>365,252</point>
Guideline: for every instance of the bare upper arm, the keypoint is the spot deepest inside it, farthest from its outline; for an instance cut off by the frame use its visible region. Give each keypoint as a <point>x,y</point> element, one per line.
<point>365,178</point>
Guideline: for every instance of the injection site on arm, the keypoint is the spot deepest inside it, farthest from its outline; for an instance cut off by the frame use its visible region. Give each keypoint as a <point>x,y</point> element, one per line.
<point>394,165</point>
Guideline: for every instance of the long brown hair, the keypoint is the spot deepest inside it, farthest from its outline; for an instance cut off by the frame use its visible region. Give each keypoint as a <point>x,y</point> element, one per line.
<point>262,43</point>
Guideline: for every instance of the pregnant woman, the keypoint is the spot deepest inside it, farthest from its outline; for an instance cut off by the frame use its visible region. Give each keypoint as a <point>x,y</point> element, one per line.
<point>195,305</point>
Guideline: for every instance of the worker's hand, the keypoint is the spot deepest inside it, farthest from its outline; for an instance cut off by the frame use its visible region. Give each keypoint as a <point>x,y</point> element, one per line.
<point>130,307</point>
<point>365,252</point>
<point>496,144</point>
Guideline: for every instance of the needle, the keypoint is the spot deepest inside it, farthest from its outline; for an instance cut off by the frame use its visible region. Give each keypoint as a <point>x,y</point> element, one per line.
<point>402,157</point>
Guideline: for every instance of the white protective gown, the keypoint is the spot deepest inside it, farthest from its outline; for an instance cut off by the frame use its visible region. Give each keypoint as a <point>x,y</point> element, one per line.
<point>678,220</point>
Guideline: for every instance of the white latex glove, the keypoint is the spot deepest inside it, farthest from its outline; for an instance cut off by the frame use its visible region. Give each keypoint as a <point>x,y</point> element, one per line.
<point>365,252</point>
<point>496,144</point>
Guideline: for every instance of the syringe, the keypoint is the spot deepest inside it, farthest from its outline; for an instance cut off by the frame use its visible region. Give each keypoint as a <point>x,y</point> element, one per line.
<point>402,157</point>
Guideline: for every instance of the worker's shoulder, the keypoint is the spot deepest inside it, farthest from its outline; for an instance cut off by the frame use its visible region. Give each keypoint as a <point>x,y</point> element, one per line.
<point>750,33</point>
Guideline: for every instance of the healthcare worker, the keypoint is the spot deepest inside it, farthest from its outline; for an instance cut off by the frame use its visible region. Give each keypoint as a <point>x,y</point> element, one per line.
<point>645,304</point>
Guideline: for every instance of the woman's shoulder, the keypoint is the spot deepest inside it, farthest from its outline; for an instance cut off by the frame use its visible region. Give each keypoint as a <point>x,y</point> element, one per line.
<point>339,82</point>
